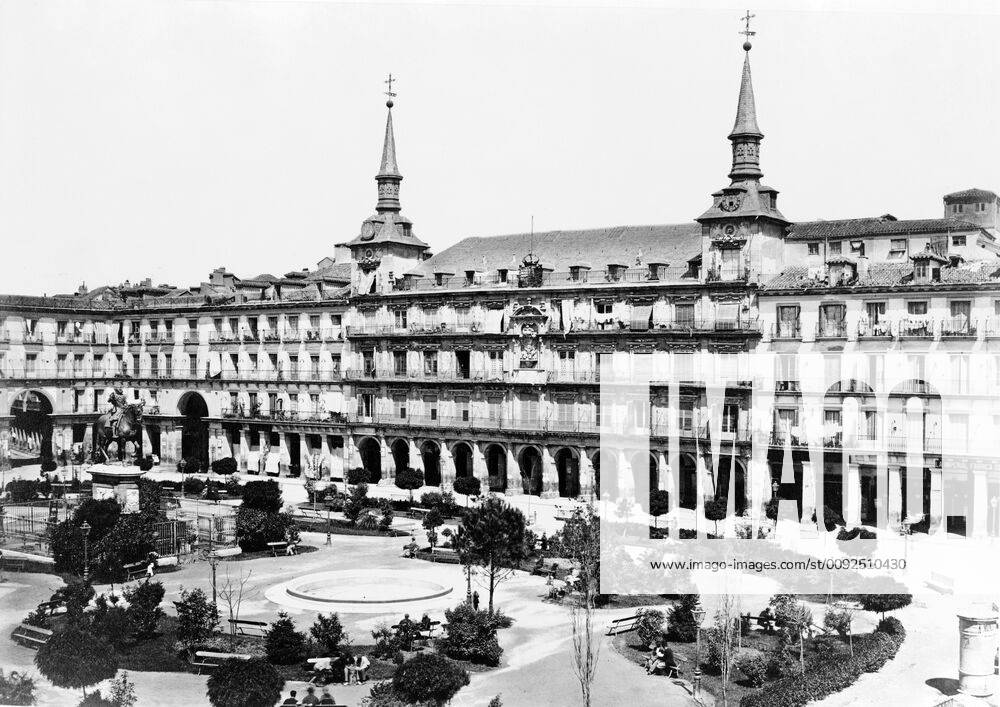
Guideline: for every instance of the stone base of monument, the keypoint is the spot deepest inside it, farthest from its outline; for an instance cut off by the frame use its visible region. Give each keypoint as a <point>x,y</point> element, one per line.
<point>118,482</point>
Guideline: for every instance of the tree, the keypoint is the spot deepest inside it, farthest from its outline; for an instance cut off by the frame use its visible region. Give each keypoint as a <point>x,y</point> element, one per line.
<point>358,475</point>
<point>580,541</point>
<point>467,486</point>
<point>245,683</point>
<point>386,514</point>
<point>681,625</point>
<point>122,691</point>
<point>100,514</point>
<point>75,595</point>
<point>150,495</point>
<point>494,539</point>
<point>471,635</point>
<point>429,677</point>
<point>795,617</point>
<point>882,603</point>
<point>262,496</point>
<point>432,521</point>
<point>256,528</point>
<point>727,631</point>
<point>233,593</point>
<point>144,607</point>
<point>66,542</point>
<point>16,688</point>
<point>355,502</point>
<point>130,538</point>
<point>409,479</point>
<point>110,621</point>
<point>328,633</point>
<point>649,625</point>
<point>75,657</point>
<point>283,644</point>
<point>659,504</point>
<point>197,618</point>
<point>715,510</point>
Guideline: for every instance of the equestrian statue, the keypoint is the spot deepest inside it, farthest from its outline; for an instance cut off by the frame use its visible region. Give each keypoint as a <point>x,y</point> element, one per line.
<point>122,424</point>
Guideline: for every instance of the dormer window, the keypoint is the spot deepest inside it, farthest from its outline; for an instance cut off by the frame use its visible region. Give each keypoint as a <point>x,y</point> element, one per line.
<point>470,277</point>
<point>441,278</point>
<point>502,274</point>
<point>658,271</point>
<point>616,272</point>
<point>579,273</point>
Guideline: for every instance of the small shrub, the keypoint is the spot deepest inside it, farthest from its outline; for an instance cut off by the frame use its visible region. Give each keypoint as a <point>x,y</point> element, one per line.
<point>467,486</point>
<point>284,645</point>
<point>837,620</point>
<point>146,463</point>
<point>386,643</point>
<point>22,490</point>
<point>357,475</point>
<point>226,465</point>
<point>16,688</point>
<point>197,617</point>
<point>892,626</point>
<point>429,677</point>
<point>75,658</point>
<point>471,635</point>
<point>355,502</point>
<point>192,465</point>
<point>649,626</point>
<point>262,496</point>
<point>49,465</point>
<point>409,479</point>
<point>385,521</point>
<point>328,633</point>
<point>144,610</point>
<point>754,669</point>
<point>193,486</point>
<point>245,683</point>
<point>95,699</point>
<point>681,625</point>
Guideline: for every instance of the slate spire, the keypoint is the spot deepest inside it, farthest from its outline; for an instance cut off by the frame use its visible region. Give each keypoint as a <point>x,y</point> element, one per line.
<point>746,136</point>
<point>388,176</point>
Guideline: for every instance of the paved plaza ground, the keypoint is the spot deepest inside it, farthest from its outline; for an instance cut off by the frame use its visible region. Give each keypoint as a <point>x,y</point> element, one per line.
<point>537,663</point>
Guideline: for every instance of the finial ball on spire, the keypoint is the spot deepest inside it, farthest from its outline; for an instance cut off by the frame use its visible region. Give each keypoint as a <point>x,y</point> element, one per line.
<point>389,103</point>
<point>747,46</point>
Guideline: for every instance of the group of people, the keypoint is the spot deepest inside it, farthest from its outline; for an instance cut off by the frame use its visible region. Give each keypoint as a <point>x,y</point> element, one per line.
<point>661,660</point>
<point>310,698</point>
<point>355,669</point>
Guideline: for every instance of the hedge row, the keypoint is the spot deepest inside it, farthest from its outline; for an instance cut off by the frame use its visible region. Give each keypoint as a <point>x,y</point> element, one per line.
<point>871,652</point>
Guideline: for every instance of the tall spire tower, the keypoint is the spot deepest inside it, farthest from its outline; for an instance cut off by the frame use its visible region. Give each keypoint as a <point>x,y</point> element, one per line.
<point>388,176</point>
<point>744,217</point>
<point>746,136</point>
<point>386,248</point>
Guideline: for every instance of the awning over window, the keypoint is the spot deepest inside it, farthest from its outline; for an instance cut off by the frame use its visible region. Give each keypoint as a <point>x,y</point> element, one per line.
<point>365,282</point>
<point>567,314</point>
<point>641,314</point>
<point>728,312</point>
<point>494,321</point>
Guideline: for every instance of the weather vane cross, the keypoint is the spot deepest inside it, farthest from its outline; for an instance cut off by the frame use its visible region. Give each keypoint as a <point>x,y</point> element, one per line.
<point>389,81</point>
<point>747,32</point>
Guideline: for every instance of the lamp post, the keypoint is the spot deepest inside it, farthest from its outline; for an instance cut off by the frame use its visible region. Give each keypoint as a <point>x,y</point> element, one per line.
<point>699,615</point>
<point>328,499</point>
<point>86,565</point>
<point>181,465</point>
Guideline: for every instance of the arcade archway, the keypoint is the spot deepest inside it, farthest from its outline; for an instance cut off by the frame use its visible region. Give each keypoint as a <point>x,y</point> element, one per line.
<point>194,428</point>
<point>461,454</point>
<point>30,428</point>
<point>371,459</point>
<point>430,453</point>
<point>400,454</point>
<point>530,463</point>
<point>496,467</point>
<point>568,471</point>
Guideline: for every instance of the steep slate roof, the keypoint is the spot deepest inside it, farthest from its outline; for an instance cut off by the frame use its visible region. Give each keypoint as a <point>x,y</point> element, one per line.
<point>673,243</point>
<point>875,226</point>
<point>898,274</point>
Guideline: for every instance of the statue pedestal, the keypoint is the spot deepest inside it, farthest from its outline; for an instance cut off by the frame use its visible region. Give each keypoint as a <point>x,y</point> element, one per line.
<point>118,482</point>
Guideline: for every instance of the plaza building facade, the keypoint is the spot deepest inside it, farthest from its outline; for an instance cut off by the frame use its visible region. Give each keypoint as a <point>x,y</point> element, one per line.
<point>484,359</point>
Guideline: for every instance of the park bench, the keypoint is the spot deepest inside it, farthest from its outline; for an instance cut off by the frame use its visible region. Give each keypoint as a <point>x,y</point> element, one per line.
<point>941,583</point>
<point>444,553</point>
<point>563,512</point>
<point>33,636</point>
<point>622,625</point>
<point>419,511</point>
<point>134,570</point>
<point>14,564</point>
<point>277,547</point>
<point>209,659</point>
<point>51,607</point>
<point>244,627</point>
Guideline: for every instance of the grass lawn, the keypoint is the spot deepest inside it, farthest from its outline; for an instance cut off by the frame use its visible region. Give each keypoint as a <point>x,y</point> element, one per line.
<point>339,527</point>
<point>757,642</point>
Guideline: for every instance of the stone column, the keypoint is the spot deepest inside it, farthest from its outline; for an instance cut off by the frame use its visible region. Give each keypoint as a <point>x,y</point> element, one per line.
<point>852,497</point>
<point>386,461</point>
<point>937,519</point>
<point>550,475</point>
<point>325,458</point>
<point>305,455</point>
<point>895,501</point>
<point>244,447</point>
<point>514,487</point>
<point>447,467</point>
<point>588,485</point>
<point>479,469</point>
<point>416,460</point>
<point>282,451</point>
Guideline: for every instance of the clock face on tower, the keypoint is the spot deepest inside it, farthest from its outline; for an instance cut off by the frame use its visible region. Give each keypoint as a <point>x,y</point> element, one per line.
<point>730,202</point>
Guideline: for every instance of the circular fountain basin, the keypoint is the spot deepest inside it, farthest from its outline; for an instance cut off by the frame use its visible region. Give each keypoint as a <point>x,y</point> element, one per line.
<point>351,588</point>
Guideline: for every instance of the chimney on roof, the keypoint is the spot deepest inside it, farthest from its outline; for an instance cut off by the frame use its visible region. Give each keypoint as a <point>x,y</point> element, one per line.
<point>147,282</point>
<point>82,289</point>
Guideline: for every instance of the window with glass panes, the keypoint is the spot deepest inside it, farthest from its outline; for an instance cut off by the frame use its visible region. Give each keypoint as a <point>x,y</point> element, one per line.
<point>529,408</point>
<point>430,363</point>
<point>399,317</point>
<point>567,363</point>
<point>399,406</point>
<point>399,363</point>
<point>462,409</point>
<point>494,363</point>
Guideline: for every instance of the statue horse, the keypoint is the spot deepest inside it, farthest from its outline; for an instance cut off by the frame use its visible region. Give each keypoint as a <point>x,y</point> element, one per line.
<point>129,429</point>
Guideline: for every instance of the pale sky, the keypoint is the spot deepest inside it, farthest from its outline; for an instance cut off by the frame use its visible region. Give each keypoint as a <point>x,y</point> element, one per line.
<point>167,138</point>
